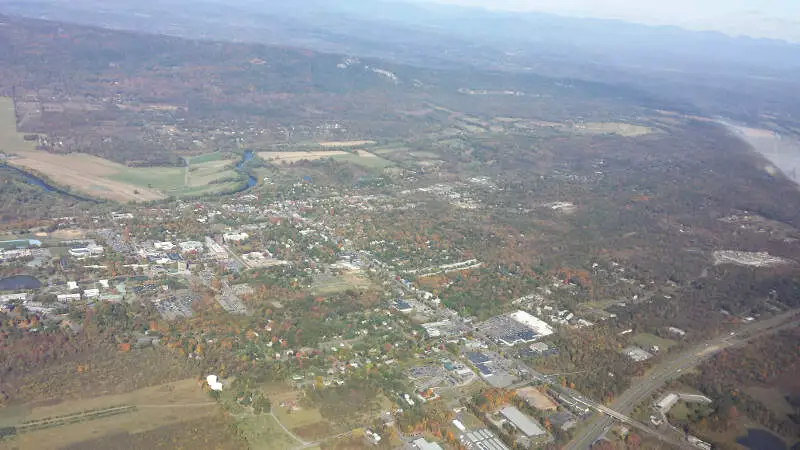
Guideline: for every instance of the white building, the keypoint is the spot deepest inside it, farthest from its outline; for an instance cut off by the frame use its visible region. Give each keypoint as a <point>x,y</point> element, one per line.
<point>13,297</point>
<point>215,248</point>
<point>676,331</point>
<point>372,437</point>
<point>538,326</point>
<point>72,285</point>
<point>422,444</point>
<point>667,402</point>
<point>637,354</point>
<point>164,246</point>
<point>91,293</point>
<point>84,252</point>
<point>234,237</point>
<point>524,423</point>
<point>66,298</point>
<point>191,246</point>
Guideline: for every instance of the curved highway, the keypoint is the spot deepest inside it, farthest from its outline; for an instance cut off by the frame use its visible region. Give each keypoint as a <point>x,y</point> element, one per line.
<point>672,368</point>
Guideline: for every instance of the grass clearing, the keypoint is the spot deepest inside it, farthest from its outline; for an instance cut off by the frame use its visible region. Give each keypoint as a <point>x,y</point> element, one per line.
<point>207,158</point>
<point>10,140</point>
<point>773,398</point>
<point>368,162</point>
<point>291,157</point>
<point>264,433</point>
<point>341,283</point>
<point>390,149</point>
<point>647,340</point>
<point>156,407</point>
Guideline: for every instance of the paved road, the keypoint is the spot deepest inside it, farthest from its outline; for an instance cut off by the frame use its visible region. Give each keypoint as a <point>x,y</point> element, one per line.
<point>673,367</point>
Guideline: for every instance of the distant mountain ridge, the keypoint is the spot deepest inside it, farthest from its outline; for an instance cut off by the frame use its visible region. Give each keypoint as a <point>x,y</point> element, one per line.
<point>743,78</point>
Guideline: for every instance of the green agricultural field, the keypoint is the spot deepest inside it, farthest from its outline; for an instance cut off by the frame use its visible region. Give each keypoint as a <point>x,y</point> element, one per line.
<point>197,179</point>
<point>646,340</point>
<point>167,179</point>
<point>208,157</point>
<point>10,140</point>
<point>368,162</point>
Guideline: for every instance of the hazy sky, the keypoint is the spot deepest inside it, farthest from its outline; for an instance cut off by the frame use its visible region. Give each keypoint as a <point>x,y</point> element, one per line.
<point>760,18</point>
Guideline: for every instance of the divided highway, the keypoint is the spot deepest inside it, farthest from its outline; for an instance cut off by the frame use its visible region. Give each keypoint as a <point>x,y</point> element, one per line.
<point>672,368</point>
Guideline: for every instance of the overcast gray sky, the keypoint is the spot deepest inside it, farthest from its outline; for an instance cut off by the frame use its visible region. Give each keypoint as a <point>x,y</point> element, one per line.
<point>759,18</point>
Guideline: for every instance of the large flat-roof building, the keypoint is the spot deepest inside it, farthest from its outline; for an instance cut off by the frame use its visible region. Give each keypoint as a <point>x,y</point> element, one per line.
<point>482,439</point>
<point>422,444</point>
<point>524,423</point>
<point>515,328</point>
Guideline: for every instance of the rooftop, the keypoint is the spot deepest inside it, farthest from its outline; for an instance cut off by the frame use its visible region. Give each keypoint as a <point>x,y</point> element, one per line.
<point>524,423</point>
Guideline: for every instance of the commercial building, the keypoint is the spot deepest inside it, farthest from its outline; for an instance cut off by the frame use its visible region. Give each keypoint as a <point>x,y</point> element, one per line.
<point>667,402</point>
<point>482,439</point>
<point>637,354</point>
<point>234,237</point>
<point>537,325</point>
<point>422,444</point>
<point>13,297</point>
<point>163,246</point>
<point>524,423</point>
<point>515,328</point>
<point>84,252</point>
<point>191,246</point>
<point>66,298</point>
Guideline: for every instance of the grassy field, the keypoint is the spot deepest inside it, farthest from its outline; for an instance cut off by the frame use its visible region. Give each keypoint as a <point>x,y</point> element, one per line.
<point>290,157</point>
<point>368,162</point>
<point>390,149</point>
<point>773,398</point>
<point>208,157</point>
<point>155,407</point>
<point>264,433</point>
<point>348,280</point>
<point>10,140</point>
<point>101,178</point>
<point>647,340</point>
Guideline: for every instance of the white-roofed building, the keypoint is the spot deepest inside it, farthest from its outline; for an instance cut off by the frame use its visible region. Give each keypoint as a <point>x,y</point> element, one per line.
<point>524,423</point>
<point>235,237</point>
<point>422,444</point>
<point>5,298</point>
<point>191,246</point>
<point>667,402</point>
<point>482,439</point>
<point>163,245</point>
<point>214,383</point>
<point>539,326</point>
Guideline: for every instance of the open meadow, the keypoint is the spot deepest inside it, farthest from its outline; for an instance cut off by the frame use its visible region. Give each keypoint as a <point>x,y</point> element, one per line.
<point>359,157</point>
<point>72,421</point>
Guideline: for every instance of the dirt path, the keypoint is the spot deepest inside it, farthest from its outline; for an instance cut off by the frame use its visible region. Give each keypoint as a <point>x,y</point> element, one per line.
<point>294,436</point>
